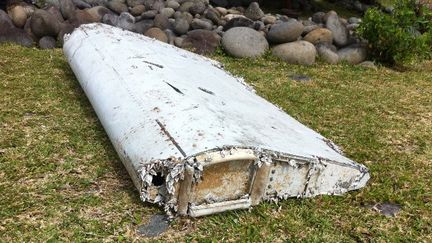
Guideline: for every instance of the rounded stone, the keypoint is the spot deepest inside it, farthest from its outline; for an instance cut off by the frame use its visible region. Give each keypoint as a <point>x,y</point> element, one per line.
<point>353,54</point>
<point>298,52</point>
<point>137,10</point>
<point>117,6</point>
<point>44,24</point>
<point>157,34</point>
<point>67,8</point>
<point>168,12</point>
<point>181,26</point>
<point>244,42</point>
<point>173,4</point>
<point>201,41</point>
<point>254,12</point>
<point>18,16</point>
<point>339,30</point>
<point>201,24</point>
<point>47,42</point>
<point>327,54</point>
<point>161,21</point>
<point>198,7</point>
<point>285,31</point>
<point>321,35</point>
<point>269,19</point>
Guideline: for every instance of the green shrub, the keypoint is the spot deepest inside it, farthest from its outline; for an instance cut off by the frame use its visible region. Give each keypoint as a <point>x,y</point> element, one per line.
<point>404,35</point>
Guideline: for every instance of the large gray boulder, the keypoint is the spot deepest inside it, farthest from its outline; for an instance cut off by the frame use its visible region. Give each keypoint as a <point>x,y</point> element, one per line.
<point>353,54</point>
<point>244,42</point>
<point>298,52</point>
<point>339,30</point>
<point>285,32</point>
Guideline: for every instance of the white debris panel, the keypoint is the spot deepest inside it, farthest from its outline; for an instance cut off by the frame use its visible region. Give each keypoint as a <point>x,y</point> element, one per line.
<point>194,138</point>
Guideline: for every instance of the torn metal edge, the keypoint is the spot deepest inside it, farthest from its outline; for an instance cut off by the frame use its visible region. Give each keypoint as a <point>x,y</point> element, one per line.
<point>174,168</point>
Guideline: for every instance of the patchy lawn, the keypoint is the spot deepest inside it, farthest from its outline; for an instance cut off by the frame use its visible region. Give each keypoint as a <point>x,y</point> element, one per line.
<point>60,178</point>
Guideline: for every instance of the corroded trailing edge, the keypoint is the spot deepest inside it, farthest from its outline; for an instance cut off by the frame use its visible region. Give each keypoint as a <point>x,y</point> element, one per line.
<point>173,172</point>
<point>169,114</point>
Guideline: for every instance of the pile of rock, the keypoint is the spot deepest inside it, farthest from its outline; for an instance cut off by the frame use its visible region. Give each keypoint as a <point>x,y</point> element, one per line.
<point>192,24</point>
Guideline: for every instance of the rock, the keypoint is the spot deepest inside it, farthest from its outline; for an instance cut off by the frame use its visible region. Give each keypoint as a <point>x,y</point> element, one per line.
<point>178,41</point>
<point>117,6</point>
<point>47,42</point>
<point>15,35</point>
<point>67,8</point>
<point>201,24</point>
<point>97,13</point>
<point>221,10</point>
<point>340,32</point>
<point>318,17</point>
<point>167,12</point>
<point>126,21</point>
<point>143,25</point>
<point>238,22</point>
<point>319,36</point>
<point>185,15</point>
<point>368,64</point>
<point>310,28</point>
<point>158,5</point>
<point>18,15</point>
<point>327,54</point>
<point>10,33</point>
<point>137,10</point>
<point>285,31</point>
<point>198,7</point>
<point>161,22</point>
<point>171,36</point>
<point>201,41</point>
<point>134,3</point>
<point>65,28</point>
<point>80,17</point>
<point>181,26</point>
<point>44,24</point>
<point>5,20</point>
<point>55,11</point>
<point>110,19</point>
<point>269,19</point>
<point>352,26</point>
<point>157,34</point>
<point>81,4</point>
<point>298,52</point>
<point>213,15</point>
<point>244,42</point>
<point>354,20</point>
<point>228,17</point>
<point>151,14</point>
<point>173,4</point>
<point>353,54</point>
<point>254,12</point>
<point>184,7</point>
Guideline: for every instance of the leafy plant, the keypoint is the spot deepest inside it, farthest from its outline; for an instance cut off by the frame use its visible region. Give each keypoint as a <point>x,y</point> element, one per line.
<point>402,36</point>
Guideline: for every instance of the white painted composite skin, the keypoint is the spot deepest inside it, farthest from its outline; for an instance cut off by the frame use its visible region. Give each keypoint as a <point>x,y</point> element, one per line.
<point>136,84</point>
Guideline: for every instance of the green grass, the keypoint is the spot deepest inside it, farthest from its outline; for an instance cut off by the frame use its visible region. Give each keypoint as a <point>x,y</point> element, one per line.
<point>60,178</point>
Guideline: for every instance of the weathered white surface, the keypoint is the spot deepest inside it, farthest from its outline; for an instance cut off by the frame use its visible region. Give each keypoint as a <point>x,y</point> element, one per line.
<point>145,91</point>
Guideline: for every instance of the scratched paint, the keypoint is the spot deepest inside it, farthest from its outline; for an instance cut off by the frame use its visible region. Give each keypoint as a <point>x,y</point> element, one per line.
<point>194,138</point>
